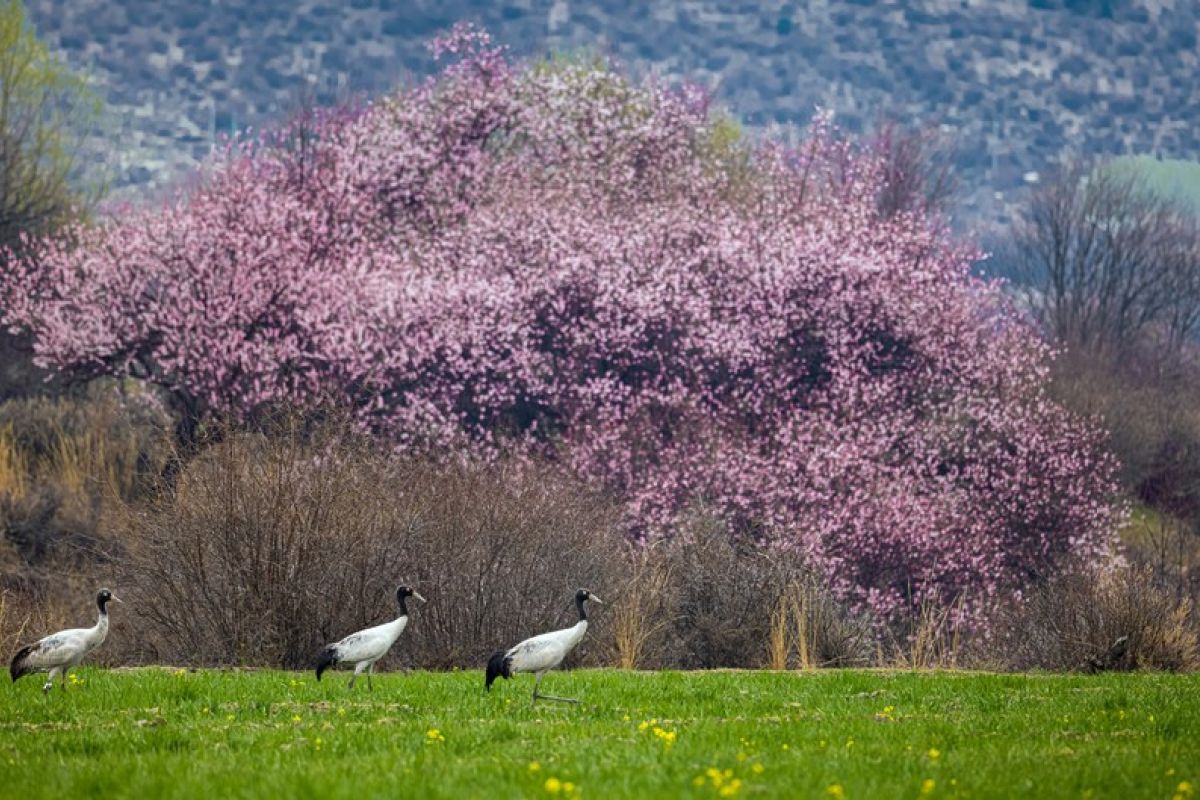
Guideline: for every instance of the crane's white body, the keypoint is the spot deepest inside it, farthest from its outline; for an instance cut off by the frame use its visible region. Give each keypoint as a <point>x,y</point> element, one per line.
<point>545,651</point>
<point>367,646</point>
<point>364,648</point>
<point>59,652</point>
<point>541,653</point>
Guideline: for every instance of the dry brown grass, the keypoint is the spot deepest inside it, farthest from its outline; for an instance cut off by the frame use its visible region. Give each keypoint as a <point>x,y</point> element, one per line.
<point>65,463</point>
<point>809,629</point>
<point>14,466</point>
<point>641,613</point>
<point>935,639</point>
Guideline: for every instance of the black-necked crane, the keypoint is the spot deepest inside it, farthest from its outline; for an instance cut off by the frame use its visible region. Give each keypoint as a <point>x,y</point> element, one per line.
<point>539,654</point>
<point>59,652</point>
<point>367,646</point>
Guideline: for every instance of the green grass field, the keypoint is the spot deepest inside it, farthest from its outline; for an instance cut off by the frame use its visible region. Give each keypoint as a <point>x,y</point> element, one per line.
<point>161,733</point>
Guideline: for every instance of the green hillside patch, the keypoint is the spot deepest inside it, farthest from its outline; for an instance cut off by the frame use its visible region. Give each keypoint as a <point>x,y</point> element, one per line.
<point>1173,178</point>
<point>163,733</point>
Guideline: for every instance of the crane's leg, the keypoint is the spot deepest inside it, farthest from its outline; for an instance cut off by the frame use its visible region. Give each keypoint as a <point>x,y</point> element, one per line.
<point>370,669</point>
<point>538,696</point>
<point>50,680</point>
<point>537,681</point>
<point>64,678</point>
<point>360,667</point>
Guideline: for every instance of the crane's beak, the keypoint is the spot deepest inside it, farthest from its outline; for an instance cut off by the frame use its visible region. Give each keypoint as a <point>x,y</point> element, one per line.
<point>422,599</point>
<point>595,599</point>
<point>114,597</point>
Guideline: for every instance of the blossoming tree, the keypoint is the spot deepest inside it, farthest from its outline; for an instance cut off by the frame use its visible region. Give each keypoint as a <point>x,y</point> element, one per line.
<point>551,261</point>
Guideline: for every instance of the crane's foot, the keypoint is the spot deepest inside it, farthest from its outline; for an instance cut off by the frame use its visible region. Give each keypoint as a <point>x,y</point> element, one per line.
<point>537,697</point>
<point>47,686</point>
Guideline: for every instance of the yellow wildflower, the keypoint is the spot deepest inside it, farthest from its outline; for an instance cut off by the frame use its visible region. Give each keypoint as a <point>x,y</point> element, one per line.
<point>835,791</point>
<point>731,788</point>
<point>934,753</point>
<point>757,768</point>
<point>552,785</point>
<point>295,718</point>
<point>927,786</point>
<point>534,766</point>
<point>434,735</point>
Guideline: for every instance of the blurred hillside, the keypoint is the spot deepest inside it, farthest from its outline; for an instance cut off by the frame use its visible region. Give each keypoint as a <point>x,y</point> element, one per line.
<point>1018,82</point>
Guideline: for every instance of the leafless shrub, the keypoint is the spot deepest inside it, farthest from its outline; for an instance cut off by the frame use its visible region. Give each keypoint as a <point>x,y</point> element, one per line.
<point>724,590</point>
<point>1118,619</point>
<point>15,619</point>
<point>1170,549</point>
<point>918,170</point>
<point>267,546</point>
<point>502,551</point>
<point>712,600</point>
<point>1106,262</point>
<point>263,548</point>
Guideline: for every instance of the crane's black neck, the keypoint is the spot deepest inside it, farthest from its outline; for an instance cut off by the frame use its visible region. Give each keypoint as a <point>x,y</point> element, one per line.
<point>102,602</point>
<point>582,608</point>
<point>400,600</point>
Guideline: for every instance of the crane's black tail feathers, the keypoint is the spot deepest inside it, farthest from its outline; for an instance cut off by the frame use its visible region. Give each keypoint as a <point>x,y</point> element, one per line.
<point>326,659</point>
<point>499,666</point>
<point>17,667</point>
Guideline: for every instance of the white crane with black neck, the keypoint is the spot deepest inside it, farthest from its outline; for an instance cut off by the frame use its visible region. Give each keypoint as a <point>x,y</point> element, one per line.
<point>539,654</point>
<point>367,646</point>
<point>59,652</point>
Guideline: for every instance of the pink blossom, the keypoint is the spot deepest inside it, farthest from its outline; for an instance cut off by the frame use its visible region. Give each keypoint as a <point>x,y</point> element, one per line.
<point>551,261</point>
